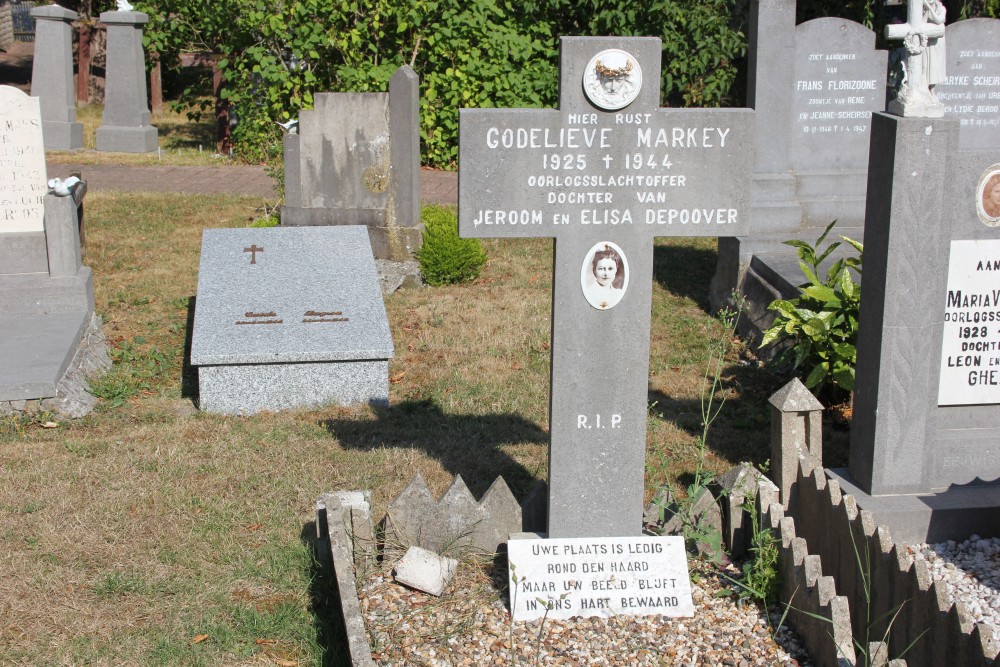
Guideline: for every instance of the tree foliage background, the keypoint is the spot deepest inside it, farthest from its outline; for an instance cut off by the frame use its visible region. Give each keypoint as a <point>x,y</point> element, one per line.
<point>275,54</point>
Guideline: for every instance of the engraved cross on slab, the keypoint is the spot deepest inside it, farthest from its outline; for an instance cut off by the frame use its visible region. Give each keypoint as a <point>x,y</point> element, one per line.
<point>604,174</point>
<point>253,250</point>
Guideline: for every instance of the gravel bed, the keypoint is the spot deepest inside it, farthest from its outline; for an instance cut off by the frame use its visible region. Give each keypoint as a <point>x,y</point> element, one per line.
<point>972,571</point>
<point>470,626</point>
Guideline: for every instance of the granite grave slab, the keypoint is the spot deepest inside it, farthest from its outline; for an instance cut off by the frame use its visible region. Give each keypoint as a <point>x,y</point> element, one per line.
<point>289,317</point>
<point>604,174</point>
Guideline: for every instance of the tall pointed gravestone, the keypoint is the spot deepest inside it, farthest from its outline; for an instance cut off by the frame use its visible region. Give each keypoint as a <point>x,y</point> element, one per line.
<point>924,456</point>
<point>125,125</point>
<point>52,77</point>
<point>603,175</point>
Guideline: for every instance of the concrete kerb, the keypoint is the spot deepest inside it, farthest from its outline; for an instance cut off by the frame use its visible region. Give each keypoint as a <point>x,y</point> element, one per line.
<point>338,517</point>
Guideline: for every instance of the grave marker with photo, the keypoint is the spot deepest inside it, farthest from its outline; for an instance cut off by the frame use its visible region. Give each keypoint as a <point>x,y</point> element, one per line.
<point>924,457</point>
<point>603,175</point>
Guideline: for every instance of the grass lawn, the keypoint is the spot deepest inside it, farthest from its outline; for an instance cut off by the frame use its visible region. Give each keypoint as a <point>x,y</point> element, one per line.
<point>150,534</point>
<point>182,142</point>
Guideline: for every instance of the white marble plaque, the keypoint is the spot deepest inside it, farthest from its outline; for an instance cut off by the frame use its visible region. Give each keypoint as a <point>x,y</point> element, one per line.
<point>606,576</point>
<point>970,348</point>
<point>22,163</point>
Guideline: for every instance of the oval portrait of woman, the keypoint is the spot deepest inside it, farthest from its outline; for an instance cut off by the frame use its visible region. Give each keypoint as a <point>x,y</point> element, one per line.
<point>988,197</point>
<point>604,275</point>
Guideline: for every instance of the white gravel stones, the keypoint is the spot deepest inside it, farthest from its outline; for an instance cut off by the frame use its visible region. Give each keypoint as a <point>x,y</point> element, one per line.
<point>470,626</point>
<point>972,571</point>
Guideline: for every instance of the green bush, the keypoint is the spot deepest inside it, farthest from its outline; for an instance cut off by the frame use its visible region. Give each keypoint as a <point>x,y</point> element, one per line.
<point>820,327</point>
<point>445,258</point>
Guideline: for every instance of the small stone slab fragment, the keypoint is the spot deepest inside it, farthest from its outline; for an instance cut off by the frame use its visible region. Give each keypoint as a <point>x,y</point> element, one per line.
<point>425,570</point>
<point>610,576</point>
<point>289,317</point>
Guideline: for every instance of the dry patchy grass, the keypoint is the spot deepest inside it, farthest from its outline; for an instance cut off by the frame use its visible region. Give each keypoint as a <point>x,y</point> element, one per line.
<point>183,143</point>
<point>150,534</point>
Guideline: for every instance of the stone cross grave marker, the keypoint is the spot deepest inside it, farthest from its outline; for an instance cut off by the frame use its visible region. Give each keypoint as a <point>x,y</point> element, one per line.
<point>603,174</point>
<point>923,38</point>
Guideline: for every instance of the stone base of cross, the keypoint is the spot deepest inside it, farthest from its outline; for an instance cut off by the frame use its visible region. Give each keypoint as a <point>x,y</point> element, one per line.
<point>604,174</point>
<point>924,64</point>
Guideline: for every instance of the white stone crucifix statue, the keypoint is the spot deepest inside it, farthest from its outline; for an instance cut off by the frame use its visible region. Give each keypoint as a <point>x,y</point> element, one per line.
<point>924,65</point>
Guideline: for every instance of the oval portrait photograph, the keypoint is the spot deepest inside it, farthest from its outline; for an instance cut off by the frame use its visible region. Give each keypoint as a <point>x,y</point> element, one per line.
<point>988,197</point>
<point>604,275</point>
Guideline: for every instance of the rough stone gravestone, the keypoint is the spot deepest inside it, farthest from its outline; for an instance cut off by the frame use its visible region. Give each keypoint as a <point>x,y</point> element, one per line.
<point>52,77</point>
<point>814,87</point>
<point>356,161</point>
<point>289,317</point>
<point>603,175</point>
<point>125,124</point>
<point>49,337</point>
<point>924,456</point>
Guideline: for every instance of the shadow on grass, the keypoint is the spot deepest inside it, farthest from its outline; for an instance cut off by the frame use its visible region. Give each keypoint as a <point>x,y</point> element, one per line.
<point>189,374</point>
<point>685,271</point>
<point>466,445</point>
<point>324,600</point>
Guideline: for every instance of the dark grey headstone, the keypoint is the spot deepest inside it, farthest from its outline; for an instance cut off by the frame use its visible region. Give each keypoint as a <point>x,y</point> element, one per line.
<point>972,92</point>
<point>52,76</point>
<point>594,178</point>
<point>906,438</point>
<point>125,125</point>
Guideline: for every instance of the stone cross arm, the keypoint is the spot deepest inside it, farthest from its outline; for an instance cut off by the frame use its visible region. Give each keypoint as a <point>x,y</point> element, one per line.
<point>658,172</point>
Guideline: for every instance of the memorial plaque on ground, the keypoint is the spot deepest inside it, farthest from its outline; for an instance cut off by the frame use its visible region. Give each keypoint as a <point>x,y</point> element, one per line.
<point>563,578</point>
<point>287,317</point>
<point>971,92</point>
<point>22,163</point>
<point>604,174</point>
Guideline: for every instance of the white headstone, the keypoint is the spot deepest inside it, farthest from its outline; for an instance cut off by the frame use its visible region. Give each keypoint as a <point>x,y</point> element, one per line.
<point>22,163</point>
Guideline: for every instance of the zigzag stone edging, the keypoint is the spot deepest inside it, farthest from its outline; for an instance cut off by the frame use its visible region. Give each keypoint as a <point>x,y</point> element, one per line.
<point>834,532</point>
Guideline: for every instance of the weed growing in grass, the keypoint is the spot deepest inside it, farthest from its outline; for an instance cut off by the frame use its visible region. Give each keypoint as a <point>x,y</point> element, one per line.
<point>699,534</point>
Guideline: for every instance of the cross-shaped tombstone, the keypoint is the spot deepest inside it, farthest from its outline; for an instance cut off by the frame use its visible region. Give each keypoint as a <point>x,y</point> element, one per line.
<point>923,39</point>
<point>604,174</point>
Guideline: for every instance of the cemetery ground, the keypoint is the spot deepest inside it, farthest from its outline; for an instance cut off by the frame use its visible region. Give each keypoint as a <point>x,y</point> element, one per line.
<point>149,533</point>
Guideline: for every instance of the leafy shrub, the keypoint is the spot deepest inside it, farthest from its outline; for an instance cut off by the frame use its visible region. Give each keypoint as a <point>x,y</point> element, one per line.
<point>445,258</point>
<point>820,327</point>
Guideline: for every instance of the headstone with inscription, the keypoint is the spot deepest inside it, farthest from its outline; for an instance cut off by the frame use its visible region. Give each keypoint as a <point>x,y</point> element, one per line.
<point>355,160</point>
<point>52,76</point>
<point>125,125</point>
<point>971,90</point>
<point>289,317</point>
<point>814,87</point>
<point>48,331</point>
<point>603,175</point>
<point>924,457</point>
